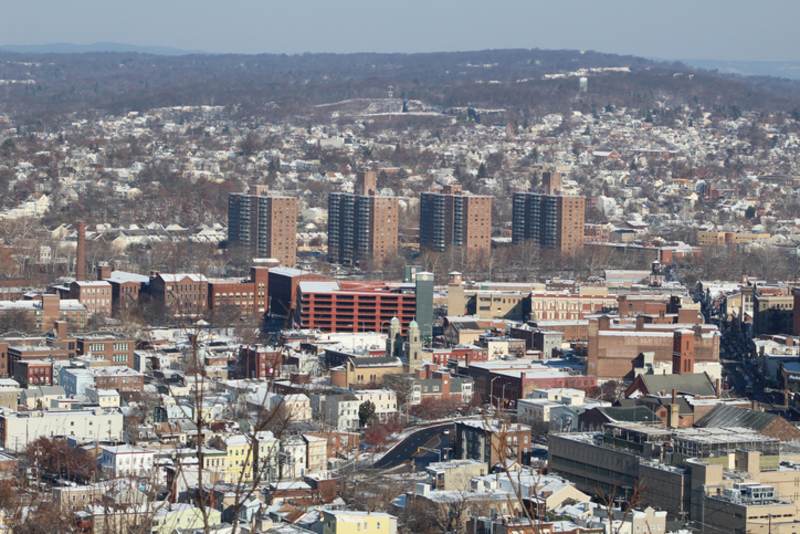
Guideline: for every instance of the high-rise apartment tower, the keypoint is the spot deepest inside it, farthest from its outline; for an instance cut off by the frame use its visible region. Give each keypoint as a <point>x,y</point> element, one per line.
<point>266,223</point>
<point>362,226</point>
<point>451,218</point>
<point>550,218</point>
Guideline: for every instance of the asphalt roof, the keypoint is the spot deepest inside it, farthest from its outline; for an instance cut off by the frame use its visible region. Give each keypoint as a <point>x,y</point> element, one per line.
<point>694,384</point>
<point>375,361</point>
<point>726,415</point>
<point>654,403</point>
<point>629,413</point>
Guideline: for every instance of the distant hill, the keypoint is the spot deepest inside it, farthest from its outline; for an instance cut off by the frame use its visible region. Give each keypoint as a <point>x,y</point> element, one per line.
<point>70,48</point>
<point>778,69</point>
<point>525,83</point>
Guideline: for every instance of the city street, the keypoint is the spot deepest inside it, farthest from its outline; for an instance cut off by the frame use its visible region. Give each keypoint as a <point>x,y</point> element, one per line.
<point>413,448</point>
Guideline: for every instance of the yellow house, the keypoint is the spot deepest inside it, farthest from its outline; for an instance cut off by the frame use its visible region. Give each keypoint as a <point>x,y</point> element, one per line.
<point>346,522</point>
<point>215,459</point>
<point>239,458</point>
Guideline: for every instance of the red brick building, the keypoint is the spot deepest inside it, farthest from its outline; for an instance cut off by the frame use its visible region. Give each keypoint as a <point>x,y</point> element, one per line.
<point>95,295</point>
<point>248,296</point>
<point>353,306</point>
<point>614,345</point>
<point>182,293</point>
<point>125,380</point>
<point>33,373</point>
<point>117,349</point>
<point>264,222</point>
<point>648,303</point>
<point>500,381</point>
<point>34,352</point>
<point>571,331</point>
<point>596,233</point>
<point>259,361</point>
<point>43,310</point>
<point>125,287</point>
<point>459,353</point>
<point>61,341</point>
<point>282,287</point>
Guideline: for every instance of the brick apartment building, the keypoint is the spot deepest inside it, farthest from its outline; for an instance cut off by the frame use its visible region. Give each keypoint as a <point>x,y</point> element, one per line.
<point>550,219</point>
<point>451,218</point>
<point>266,223</point>
<point>259,361</point>
<point>33,373</point>
<point>362,227</point>
<point>125,380</point>
<point>354,306</point>
<point>114,348</point>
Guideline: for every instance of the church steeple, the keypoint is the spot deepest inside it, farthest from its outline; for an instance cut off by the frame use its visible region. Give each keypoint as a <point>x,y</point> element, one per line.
<point>394,338</point>
<point>413,348</point>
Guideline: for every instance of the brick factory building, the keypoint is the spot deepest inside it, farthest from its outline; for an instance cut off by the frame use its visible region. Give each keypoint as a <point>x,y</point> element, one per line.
<point>249,296</point>
<point>182,293</point>
<point>614,344</point>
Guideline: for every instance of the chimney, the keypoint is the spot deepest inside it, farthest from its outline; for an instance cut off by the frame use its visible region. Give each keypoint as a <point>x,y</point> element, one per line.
<point>80,267</point>
<point>718,384</point>
<point>103,271</point>
<point>674,415</point>
<point>60,329</point>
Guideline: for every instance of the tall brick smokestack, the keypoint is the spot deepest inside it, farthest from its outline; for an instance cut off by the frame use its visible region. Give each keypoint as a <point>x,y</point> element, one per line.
<point>80,268</point>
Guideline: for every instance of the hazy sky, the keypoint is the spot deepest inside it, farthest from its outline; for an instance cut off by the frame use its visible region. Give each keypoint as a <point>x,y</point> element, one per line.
<point>697,29</point>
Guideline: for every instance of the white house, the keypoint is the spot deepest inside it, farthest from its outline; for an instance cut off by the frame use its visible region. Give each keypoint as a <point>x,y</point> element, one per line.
<point>127,460</point>
<point>341,411</point>
<point>385,401</point>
